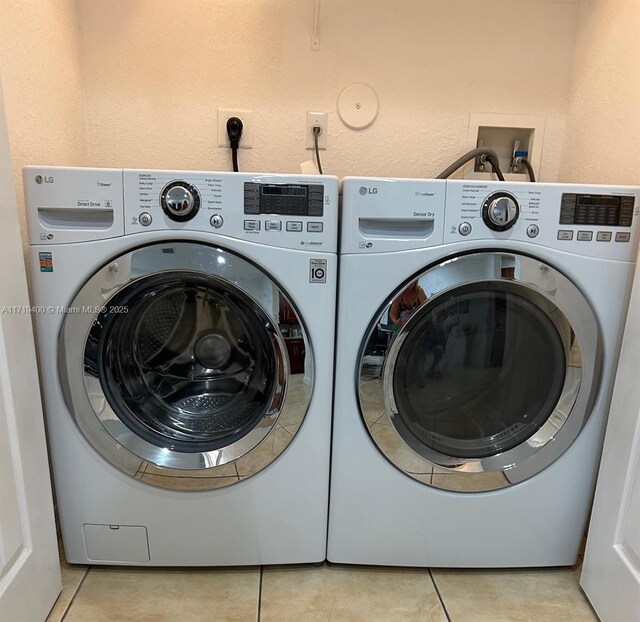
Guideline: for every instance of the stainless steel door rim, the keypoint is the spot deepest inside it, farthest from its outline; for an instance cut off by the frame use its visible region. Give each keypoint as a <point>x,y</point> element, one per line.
<point>174,368</point>
<point>483,424</point>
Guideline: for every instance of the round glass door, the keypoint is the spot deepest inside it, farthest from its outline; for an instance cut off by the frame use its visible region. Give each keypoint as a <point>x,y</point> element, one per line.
<point>185,370</point>
<point>482,371</point>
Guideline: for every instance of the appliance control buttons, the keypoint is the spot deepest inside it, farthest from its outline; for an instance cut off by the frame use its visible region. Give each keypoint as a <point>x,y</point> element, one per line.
<point>145,219</point>
<point>252,225</point>
<point>464,228</point>
<point>273,225</point>
<point>180,201</point>
<point>533,230</point>
<point>500,211</point>
<point>251,198</point>
<point>623,236</point>
<point>294,225</point>
<point>603,236</point>
<point>216,221</point>
<point>315,227</point>
<point>584,236</point>
<point>565,234</point>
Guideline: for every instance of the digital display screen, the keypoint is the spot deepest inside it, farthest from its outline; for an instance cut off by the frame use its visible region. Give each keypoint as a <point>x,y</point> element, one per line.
<point>596,209</point>
<point>284,199</point>
<point>290,191</point>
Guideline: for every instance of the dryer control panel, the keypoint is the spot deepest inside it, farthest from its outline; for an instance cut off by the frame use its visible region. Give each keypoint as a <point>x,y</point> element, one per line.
<point>589,220</point>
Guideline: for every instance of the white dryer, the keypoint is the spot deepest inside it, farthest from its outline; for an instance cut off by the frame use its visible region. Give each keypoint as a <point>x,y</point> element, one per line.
<point>478,334</point>
<point>185,326</point>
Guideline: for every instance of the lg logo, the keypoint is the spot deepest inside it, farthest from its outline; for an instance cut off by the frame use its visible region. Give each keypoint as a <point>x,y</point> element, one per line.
<point>44,180</point>
<point>364,190</point>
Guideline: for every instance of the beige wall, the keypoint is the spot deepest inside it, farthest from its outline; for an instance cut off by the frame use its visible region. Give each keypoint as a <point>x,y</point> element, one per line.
<point>603,120</point>
<point>155,71</point>
<point>137,82</point>
<point>40,68</point>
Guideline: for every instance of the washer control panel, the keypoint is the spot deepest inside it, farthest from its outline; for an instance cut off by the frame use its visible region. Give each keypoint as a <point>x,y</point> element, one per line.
<point>298,212</point>
<point>290,211</point>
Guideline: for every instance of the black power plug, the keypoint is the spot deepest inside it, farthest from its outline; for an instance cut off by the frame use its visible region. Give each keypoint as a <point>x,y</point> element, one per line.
<point>234,132</point>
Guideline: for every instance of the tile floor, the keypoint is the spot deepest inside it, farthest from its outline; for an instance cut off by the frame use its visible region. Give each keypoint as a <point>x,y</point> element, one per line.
<point>319,593</point>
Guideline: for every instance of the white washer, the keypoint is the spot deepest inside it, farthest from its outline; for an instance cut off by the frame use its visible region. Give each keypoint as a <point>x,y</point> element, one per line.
<point>185,326</point>
<point>467,432</point>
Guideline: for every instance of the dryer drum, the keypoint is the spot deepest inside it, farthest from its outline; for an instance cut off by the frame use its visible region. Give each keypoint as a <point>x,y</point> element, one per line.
<point>505,365</point>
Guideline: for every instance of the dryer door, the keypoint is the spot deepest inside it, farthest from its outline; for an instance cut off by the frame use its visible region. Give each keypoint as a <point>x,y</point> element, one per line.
<point>480,372</point>
<point>175,368</point>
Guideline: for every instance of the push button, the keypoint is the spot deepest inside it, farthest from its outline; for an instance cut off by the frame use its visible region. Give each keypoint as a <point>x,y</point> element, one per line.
<point>565,234</point>
<point>145,219</point>
<point>273,225</point>
<point>252,225</point>
<point>464,228</point>
<point>623,236</point>
<point>533,230</point>
<point>603,236</point>
<point>294,225</point>
<point>315,227</point>
<point>216,221</point>
<point>585,236</point>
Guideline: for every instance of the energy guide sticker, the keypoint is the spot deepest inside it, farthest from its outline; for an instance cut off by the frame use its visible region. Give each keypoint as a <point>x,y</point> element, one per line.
<point>46,262</point>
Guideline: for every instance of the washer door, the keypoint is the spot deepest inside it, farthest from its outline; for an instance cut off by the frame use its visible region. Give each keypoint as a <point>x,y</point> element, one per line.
<point>480,372</point>
<point>175,368</point>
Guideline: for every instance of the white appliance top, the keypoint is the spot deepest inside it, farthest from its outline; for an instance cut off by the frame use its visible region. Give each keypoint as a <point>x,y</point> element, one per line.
<point>382,215</point>
<point>81,204</point>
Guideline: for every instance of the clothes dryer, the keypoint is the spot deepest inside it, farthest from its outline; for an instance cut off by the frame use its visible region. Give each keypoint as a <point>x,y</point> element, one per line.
<point>185,327</point>
<point>478,334</point>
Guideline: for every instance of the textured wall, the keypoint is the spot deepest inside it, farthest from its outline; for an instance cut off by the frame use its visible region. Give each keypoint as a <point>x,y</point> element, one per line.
<point>155,71</point>
<point>603,120</point>
<point>40,68</point>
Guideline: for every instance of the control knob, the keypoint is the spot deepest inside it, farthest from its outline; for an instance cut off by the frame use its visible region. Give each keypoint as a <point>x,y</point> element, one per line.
<point>180,201</point>
<point>500,211</point>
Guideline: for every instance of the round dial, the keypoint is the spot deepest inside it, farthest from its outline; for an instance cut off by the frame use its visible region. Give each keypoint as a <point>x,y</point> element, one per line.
<point>180,201</point>
<point>500,211</point>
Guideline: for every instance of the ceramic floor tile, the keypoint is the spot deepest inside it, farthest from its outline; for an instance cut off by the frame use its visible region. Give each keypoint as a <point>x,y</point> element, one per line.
<point>224,470</point>
<point>536,595</point>
<point>334,593</point>
<point>292,429</point>
<point>71,578</point>
<point>467,482</point>
<point>189,483</point>
<point>159,595</point>
<point>269,449</point>
<point>388,440</point>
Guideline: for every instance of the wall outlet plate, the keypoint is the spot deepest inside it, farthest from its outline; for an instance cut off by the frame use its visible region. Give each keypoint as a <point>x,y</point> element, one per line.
<point>313,119</point>
<point>246,140</point>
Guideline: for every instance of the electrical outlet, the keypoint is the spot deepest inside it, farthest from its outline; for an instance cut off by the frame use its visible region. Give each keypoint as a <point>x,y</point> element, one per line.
<point>313,119</point>
<point>246,116</point>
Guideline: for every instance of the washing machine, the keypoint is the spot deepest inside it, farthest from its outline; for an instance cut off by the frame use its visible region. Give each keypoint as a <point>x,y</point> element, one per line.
<point>478,334</point>
<point>185,326</point>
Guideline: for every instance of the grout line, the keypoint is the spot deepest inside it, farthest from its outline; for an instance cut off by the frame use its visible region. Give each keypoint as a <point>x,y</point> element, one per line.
<point>260,594</point>
<point>444,607</point>
<point>66,611</point>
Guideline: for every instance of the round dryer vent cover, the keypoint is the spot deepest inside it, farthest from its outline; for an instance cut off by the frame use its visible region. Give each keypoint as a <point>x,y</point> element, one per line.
<point>358,106</point>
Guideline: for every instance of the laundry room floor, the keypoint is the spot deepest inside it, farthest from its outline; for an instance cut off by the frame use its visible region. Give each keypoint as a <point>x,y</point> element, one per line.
<point>319,593</point>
